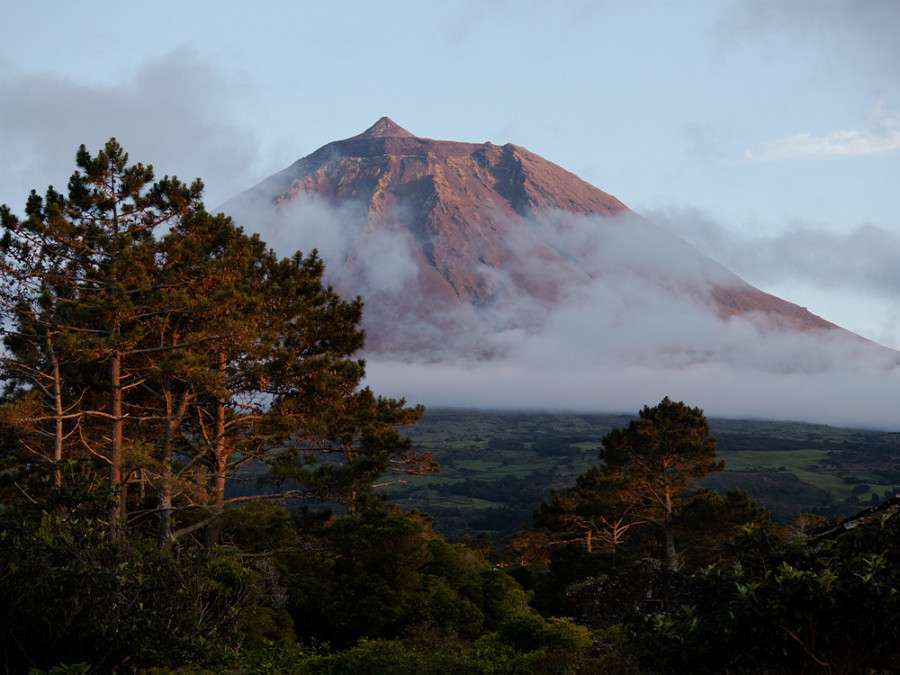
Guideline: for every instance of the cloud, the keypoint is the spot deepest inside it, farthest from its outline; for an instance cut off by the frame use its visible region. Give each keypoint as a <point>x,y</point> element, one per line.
<point>879,134</point>
<point>849,277</point>
<point>862,260</point>
<point>634,329</point>
<point>308,222</point>
<point>625,343</point>
<point>839,397</point>
<point>173,113</point>
<point>853,33</point>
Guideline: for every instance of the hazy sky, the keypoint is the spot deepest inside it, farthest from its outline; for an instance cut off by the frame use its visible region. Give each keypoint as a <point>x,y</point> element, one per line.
<point>765,133</point>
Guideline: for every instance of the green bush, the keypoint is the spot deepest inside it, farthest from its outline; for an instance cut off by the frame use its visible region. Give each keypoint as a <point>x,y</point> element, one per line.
<point>378,574</point>
<point>69,596</point>
<point>486,656</point>
<point>529,631</point>
<point>831,606</point>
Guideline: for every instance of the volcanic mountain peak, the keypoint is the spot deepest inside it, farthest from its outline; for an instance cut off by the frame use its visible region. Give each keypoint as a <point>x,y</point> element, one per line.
<point>384,127</point>
<point>455,243</point>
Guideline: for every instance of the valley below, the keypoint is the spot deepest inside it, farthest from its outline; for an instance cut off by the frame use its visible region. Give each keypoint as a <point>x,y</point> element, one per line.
<point>497,467</point>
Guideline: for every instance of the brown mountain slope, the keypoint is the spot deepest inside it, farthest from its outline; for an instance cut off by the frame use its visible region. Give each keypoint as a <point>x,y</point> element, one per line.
<point>453,241</point>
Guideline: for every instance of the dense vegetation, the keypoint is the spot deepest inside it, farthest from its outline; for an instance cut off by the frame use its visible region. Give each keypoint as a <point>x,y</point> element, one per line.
<point>193,480</point>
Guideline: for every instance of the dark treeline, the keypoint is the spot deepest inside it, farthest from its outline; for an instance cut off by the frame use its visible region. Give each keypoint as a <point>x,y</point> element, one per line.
<point>192,477</point>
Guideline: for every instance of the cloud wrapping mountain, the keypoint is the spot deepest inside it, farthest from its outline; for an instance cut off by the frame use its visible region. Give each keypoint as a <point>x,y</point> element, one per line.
<point>493,278</point>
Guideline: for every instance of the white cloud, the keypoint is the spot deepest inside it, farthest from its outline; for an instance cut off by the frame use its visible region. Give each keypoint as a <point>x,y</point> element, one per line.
<point>878,134</point>
<point>627,340</point>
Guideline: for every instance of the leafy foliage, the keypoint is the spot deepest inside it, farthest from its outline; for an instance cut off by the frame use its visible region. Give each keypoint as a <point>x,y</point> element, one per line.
<point>799,606</point>
<point>644,474</point>
<point>381,573</point>
<point>707,522</point>
<point>67,595</point>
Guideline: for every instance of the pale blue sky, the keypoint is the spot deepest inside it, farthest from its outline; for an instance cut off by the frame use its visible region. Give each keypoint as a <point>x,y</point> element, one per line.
<point>766,133</point>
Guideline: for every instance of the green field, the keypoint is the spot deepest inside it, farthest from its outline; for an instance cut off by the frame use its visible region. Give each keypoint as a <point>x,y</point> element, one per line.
<point>496,468</point>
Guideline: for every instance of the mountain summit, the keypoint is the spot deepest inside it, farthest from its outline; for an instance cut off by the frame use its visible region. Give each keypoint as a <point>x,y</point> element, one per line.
<point>461,248</point>
<point>385,127</point>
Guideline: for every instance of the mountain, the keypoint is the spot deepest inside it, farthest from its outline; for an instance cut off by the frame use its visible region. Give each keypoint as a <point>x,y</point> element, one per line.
<point>458,249</point>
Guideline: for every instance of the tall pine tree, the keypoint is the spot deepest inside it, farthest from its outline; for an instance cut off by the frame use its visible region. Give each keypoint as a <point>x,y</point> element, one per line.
<point>171,348</point>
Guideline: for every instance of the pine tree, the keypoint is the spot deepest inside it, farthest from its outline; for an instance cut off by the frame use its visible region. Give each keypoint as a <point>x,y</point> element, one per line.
<point>642,480</point>
<point>655,457</point>
<point>85,260</point>
<point>166,344</point>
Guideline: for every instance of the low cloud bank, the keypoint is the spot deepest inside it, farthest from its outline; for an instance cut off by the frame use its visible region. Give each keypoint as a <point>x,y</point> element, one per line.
<point>634,329</point>
<point>843,398</point>
<point>613,356</point>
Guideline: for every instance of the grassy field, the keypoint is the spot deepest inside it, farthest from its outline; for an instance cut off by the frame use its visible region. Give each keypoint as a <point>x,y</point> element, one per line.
<point>496,468</point>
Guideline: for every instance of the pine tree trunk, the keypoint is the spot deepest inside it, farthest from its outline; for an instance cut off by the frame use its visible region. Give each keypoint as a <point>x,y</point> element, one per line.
<point>164,529</point>
<point>59,432</point>
<point>164,499</point>
<point>212,530</point>
<point>669,525</point>
<point>174,416</point>
<point>117,510</point>
<point>220,457</point>
<point>164,491</point>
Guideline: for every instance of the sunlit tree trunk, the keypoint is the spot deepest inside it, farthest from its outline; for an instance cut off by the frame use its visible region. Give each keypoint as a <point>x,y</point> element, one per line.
<point>59,430</point>
<point>173,418</point>
<point>669,526</point>
<point>117,511</point>
<point>220,459</point>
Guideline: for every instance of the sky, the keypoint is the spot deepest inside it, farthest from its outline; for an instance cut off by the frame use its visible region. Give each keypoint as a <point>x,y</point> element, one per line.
<point>765,133</point>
